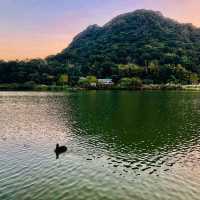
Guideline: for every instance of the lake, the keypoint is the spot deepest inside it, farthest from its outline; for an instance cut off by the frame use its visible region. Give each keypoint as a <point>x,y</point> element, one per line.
<point>122,145</point>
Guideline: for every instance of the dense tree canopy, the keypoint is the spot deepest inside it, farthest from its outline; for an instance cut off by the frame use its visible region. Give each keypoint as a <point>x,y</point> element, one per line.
<point>142,43</point>
<point>36,70</point>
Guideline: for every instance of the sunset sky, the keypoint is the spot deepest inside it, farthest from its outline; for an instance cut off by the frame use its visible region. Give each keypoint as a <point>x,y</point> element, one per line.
<point>37,28</point>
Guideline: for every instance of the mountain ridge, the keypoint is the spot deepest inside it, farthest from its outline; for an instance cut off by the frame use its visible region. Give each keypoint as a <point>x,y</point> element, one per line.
<point>137,12</point>
<point>142,37</point>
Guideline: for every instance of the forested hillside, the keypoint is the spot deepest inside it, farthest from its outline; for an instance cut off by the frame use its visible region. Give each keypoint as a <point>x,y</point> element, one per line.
<point>143,43</point>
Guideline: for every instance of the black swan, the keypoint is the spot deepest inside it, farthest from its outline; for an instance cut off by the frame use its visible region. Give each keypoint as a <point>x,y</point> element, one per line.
<point>60,149</point>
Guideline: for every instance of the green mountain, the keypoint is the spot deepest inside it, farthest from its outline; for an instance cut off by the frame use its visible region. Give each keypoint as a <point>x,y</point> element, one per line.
<point>142,43</point>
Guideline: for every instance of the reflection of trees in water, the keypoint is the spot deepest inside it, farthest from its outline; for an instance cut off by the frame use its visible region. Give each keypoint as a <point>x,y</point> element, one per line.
<point>133,120</point>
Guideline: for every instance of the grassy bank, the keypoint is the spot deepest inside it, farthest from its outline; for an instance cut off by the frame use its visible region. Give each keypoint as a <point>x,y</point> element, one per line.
<point>25,87</point>
<point>149,87</point>
<point>191,87</point>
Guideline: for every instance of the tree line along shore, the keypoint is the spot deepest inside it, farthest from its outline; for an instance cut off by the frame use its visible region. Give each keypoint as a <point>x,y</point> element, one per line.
<point>44,75</point>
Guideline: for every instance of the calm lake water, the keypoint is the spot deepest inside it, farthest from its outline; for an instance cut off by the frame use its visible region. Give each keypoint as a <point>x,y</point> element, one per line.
<point>121,145</point>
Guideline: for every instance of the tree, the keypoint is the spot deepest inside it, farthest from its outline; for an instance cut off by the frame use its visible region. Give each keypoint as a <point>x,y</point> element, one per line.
<point>194,78</point>
<point>91,79</point>
<point>84,82</point>
<point>63,79</point>
<point>133,82</point>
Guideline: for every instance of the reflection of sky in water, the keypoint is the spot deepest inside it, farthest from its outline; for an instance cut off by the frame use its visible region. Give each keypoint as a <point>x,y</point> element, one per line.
<point>21,117</point>
<point>144,144</point>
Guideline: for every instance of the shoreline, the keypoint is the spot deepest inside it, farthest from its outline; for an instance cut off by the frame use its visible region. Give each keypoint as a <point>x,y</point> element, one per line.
<point>56,88</point>
<point>36,88</point>
<point>150,87</point>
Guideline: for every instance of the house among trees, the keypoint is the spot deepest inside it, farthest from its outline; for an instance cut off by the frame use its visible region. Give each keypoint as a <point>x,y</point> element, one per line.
<point>107,81</point>
<point>92,81</point>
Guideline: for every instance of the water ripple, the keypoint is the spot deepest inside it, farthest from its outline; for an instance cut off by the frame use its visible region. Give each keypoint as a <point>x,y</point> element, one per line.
<point>127,148</point>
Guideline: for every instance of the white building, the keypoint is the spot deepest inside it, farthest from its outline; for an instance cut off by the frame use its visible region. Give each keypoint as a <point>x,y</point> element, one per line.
<point>107,81</point>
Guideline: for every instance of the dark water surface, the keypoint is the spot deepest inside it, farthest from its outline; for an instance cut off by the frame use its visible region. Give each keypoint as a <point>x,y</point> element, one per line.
<point>121,145</point>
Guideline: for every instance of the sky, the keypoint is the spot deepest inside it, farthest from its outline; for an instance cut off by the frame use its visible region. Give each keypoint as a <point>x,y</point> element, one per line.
<point>38,28</point>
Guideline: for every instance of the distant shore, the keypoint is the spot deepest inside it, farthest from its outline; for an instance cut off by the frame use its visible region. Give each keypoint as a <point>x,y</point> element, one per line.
<point>145,87</point>
<point>25,87</point>
<point>54,88</point>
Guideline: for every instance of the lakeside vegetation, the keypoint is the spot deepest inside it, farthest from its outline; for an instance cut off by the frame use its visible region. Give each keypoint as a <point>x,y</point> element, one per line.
<point>43,75</point>
<point>56,88</point>
<point>32,87</point>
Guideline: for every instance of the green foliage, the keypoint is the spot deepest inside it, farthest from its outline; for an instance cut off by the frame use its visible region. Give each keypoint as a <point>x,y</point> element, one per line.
<point>84,82</point>
<point>29,85</point>
<point>37,70</point>
<point>91,79</point>
<point>63,79</point>
<point>41,88</point>
<point>194,78</point>
<point>133,82</point>
<point>125,82</point>
<point>88,81</point>
<point>129,70</point>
